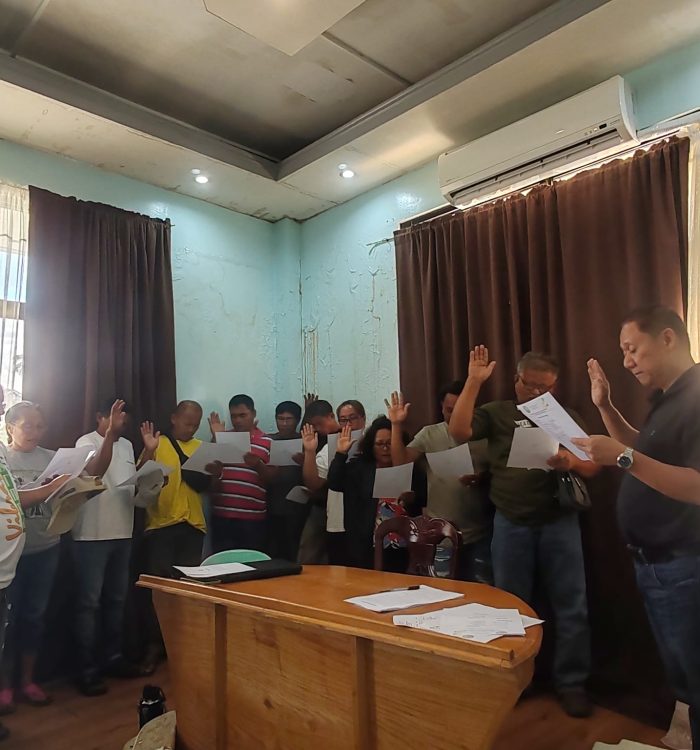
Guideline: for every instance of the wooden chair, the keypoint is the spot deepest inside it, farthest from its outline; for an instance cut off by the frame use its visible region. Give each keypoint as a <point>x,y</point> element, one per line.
<point>422,535</point>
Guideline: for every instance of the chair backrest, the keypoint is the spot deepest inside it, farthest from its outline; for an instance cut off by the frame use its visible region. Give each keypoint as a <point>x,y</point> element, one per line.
<point>422,536</point>
<point>236,555</point>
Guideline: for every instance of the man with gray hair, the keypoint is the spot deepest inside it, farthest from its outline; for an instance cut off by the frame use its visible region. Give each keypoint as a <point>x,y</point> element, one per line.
<point>534,538</point>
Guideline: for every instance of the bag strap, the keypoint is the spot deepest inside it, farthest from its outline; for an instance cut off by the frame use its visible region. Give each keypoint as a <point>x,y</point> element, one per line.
<point>180,453</point>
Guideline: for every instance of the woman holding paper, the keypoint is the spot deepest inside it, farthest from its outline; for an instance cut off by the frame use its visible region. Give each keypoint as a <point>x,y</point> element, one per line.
<point>29,594</point>
<point>364,512</point>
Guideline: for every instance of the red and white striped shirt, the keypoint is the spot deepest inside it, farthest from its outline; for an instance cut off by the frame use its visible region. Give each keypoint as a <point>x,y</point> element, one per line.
<point>242,495</point>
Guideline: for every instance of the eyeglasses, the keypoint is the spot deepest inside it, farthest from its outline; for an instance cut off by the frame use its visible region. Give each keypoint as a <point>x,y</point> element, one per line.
<point>383,444</point>
<point>536,387</point>
<point>349,420</point>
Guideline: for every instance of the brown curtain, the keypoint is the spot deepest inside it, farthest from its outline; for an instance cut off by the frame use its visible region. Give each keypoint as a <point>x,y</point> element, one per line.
<point>556,270</point>
<point>99,314</point>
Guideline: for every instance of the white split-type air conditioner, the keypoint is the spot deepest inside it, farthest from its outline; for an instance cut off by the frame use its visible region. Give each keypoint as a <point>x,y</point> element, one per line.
<point>589,127</point>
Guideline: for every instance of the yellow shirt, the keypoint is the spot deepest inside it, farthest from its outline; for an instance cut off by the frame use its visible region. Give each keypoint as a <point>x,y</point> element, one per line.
<point>177,501</point>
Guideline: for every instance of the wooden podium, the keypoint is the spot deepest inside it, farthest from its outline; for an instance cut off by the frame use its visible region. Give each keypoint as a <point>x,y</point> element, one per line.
<point>286,664</point>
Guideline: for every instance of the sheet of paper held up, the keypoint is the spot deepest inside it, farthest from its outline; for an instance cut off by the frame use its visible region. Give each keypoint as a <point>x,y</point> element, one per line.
<point>298,494</point>
<point>69,461</point>
<point>472,622</point>
<point>546,412</point>
<point>389,601</point>
<point>238,440</point>
<point>208,452</point>
<point>333,444</point>
<point>282,452</point>
<point>393,481</point>
<point>531,448</point>
<point>453,463</point>
<point>211,571</point>
<point>150,467</point>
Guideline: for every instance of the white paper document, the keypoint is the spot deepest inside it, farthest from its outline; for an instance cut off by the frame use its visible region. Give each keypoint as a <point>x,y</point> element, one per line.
<point>453,463</point>
<point>298,494</point>
<point>69,461</point>
<point>150,467</point>
<point>393,481</point>
<point>236,441</point>
<point>546,412</point>
<point>211,571</point>
<point>208,452</point>
<point>403,598</point>
<point>531,448</point>
<point>283,451</point>
<point>472,622</point>
<point>66,502</point>
<point>333,444</point>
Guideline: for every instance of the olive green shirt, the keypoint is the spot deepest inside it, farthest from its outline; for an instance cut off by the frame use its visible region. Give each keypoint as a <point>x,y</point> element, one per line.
<point>468,508</point>
<point>524,496</point>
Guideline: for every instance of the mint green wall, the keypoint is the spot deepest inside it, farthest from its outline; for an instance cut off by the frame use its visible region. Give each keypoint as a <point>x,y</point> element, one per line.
<point>229,270</point>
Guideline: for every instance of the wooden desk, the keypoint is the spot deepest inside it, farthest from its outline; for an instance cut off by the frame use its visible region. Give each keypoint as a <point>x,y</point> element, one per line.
<point>286,664</point>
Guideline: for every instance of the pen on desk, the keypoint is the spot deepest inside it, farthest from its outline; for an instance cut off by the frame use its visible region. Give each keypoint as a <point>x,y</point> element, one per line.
<point>401,588</point>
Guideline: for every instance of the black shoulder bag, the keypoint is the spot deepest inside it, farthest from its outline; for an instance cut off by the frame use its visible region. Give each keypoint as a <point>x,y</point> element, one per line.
<point>572,493</point>
<point>196,481</point>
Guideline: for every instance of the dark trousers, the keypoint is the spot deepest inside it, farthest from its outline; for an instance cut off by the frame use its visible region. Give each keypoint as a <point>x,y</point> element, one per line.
<point>102,582</point>
<point>285,528</point>
<point>179,544</point>
<point>229,533</point>
<point>671,592</point>
<point>28,597</point>
<point>551,553</point>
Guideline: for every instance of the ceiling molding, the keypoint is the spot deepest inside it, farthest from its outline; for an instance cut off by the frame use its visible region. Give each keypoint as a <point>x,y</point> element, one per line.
<point>514,40</point>
<point>62,88</point>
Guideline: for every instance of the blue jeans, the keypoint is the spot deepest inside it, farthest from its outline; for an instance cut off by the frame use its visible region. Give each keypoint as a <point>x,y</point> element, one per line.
<point>552,554</point>
<point>102,578</point>
<point>28,597</point>
<point>671,592</point>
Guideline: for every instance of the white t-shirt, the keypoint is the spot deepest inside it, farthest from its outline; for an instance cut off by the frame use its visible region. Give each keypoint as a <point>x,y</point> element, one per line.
<point>335,519</point>
<point>25,468</point>
<point>12,536</point>
<point>110,515</point>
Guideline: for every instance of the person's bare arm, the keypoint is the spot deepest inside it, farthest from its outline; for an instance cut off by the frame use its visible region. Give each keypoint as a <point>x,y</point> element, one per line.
<point>309,469</point>
<point>28,498</point>
<point>480,369</point>
<point>397,411</point>
<point>97,466</point>
<point>616,425</point>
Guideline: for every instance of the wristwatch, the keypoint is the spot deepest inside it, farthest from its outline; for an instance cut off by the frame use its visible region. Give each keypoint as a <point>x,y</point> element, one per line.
<point>625,459</point>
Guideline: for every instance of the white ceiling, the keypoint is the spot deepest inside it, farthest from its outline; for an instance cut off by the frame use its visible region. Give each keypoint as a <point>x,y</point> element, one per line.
<point>151,90</point>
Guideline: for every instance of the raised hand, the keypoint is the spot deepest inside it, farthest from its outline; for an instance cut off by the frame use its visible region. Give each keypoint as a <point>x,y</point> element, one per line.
<point>309,438</point>
<point>345,440</point>
<point>215,424</point>
<point>309,398</point>
<point>117,417</point>
<point>480,368</point>
<point>397,408</point>
<point>149,436</point>
<point>600,386</point>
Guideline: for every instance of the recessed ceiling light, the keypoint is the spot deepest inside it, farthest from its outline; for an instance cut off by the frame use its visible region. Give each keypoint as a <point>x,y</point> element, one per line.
<point>341,167</point>
<point>201,179</point>
<point>196,171</point>
<point>347,174</point>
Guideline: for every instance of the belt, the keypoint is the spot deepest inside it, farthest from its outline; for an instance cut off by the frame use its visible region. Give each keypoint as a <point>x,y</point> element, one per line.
<point>651,556</point>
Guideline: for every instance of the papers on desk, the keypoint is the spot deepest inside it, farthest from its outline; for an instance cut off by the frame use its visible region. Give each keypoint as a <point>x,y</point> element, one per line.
<point>69,461</point>
<point>212,571</point>
<point>531,448</point>
<point>453,463</point>
<point>282,452</point>
<point>333,444</point>
<point>403,598</point>
<point>150,467</point>
<point>393,481</point>
<point>472,622</point>
<point>546,412</point>
<point>225,452</point>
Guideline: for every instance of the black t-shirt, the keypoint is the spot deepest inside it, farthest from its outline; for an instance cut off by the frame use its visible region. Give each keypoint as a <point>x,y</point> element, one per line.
<point>671,434</point>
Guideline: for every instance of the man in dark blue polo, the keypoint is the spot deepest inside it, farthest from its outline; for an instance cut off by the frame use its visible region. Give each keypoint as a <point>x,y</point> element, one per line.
<point>659,501</point>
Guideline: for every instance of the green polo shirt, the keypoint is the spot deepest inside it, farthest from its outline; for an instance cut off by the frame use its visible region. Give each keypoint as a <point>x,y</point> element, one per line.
<point>523,496</point>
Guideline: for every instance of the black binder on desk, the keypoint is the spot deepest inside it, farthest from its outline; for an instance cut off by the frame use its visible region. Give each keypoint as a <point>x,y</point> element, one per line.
<point>261,569</point>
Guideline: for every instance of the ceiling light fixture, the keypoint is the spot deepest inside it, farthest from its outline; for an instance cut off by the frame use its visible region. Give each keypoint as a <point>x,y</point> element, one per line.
<point>341,167</point>
<point>202,179</point>
<point>348,174</point>
<point>196,171</point>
